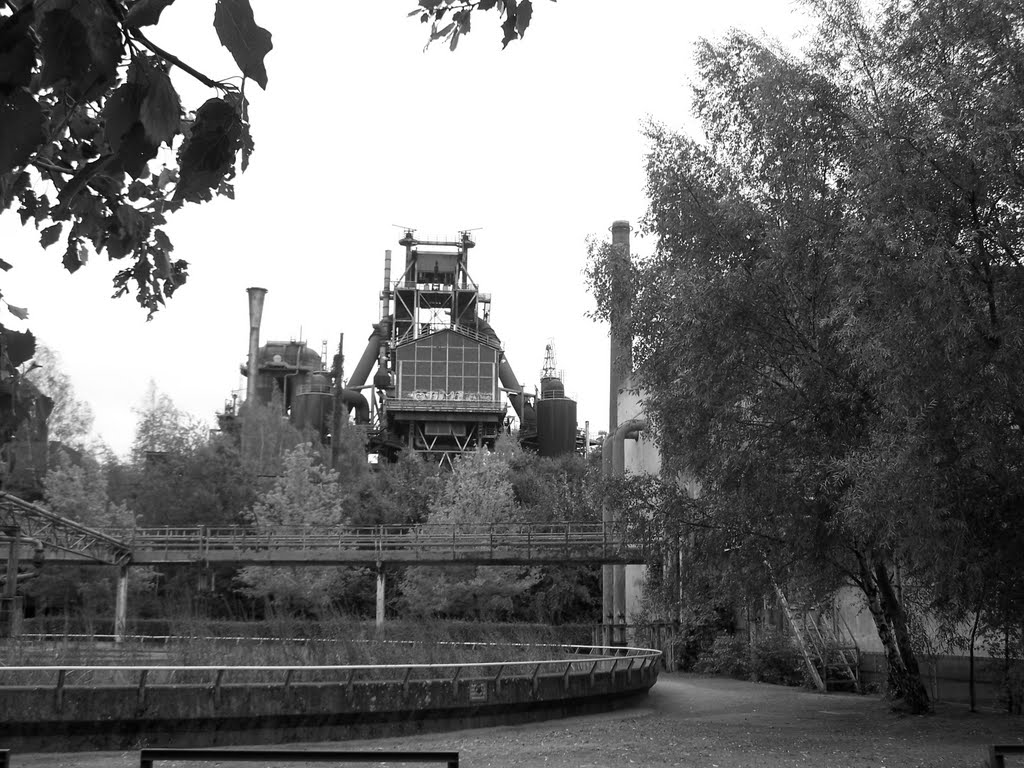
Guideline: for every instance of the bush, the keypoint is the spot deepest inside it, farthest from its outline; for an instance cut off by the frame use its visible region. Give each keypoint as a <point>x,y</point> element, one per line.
<point>775,659</point>
<point>728,655</point>
<point>771,658</point>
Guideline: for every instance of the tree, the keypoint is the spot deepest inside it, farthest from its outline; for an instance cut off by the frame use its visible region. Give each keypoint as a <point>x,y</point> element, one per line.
<point>308,493</point>
<point>477,492</point>
<point>96,151</point>
<point>828,332</point>
<point>70,421</point>
<point>78,490</point>
<point>96,148</point>
<point>557,490</point>
<point>162,428</point>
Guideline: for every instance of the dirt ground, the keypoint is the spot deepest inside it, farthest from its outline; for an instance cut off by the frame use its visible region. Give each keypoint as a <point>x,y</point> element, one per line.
<point>692,721</point>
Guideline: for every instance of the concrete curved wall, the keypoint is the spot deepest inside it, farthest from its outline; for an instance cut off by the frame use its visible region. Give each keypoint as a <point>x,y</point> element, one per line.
<point>36,718</point>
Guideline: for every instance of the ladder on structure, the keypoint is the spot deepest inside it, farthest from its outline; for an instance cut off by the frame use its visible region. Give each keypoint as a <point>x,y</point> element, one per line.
<point>833,662</point>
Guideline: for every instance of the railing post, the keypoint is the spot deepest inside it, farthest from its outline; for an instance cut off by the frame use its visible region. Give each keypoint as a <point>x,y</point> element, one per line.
<point>121,605</point>
<point>380,594</point>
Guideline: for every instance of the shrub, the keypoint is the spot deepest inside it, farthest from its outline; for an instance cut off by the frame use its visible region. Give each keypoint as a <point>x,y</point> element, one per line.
<point>728,655</point>
<point>775,659</point>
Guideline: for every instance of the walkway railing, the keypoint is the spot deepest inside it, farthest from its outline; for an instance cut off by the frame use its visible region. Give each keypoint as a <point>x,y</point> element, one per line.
<point>505,544</point>
<point>581,660</point>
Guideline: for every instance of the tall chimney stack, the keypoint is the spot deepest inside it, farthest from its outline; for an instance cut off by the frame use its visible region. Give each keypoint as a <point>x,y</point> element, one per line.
<point>621,358</point>
<point>256,296</point>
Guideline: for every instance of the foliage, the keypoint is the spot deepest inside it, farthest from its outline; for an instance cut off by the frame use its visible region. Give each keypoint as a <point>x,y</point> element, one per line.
<point>769,657</point>
<point>70,421</point>
<point>79,491</point>
<point>97,150</point>
<point>774,658</point>
<point>729,655</point>
<point>477,492</point>
<point>308,493</point>
<point>517,15</point>
<point>162,428</point>
<point>208,485</point>
<point>829,331</point>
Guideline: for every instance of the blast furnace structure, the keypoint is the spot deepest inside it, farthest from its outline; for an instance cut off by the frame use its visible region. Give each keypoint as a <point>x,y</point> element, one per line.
<point>441,377</point>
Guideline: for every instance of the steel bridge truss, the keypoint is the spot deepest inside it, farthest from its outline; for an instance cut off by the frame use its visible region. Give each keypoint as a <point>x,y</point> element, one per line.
<point>431,544</point>
<point>61,538</point>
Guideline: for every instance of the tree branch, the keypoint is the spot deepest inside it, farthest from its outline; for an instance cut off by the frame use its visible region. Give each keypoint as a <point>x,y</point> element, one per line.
<point>172,59</point>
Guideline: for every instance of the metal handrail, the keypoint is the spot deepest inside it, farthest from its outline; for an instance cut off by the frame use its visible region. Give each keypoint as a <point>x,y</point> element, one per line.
<point>140,675</point>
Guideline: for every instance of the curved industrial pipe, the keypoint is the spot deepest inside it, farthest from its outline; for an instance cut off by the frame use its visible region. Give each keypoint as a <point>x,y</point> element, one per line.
<point>369,357</point>
<point>356,401</point>
<point>506,375</point>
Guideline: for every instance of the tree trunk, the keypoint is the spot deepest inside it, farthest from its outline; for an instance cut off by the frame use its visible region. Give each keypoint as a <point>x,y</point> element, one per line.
<point>903,684</point>
<point>915,694</point>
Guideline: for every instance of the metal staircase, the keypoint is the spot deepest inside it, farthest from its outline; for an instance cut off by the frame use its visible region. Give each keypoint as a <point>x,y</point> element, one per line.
<point>830,654</point>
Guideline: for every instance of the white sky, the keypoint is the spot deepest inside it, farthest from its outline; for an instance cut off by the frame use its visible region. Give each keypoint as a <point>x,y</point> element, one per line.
<point>538,146</point>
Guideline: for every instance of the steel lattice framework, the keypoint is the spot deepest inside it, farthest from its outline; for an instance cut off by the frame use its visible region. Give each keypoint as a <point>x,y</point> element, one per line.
<point>67,542</point>
<point>65,539</point>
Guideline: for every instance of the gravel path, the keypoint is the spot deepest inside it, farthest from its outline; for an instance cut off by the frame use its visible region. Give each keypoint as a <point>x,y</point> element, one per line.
<point>693,721</point>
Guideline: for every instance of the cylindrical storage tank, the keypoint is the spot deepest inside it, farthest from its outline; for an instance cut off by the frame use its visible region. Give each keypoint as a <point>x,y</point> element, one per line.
<point>312,403</point>
<point>556,426</point>
<point>551,388</point>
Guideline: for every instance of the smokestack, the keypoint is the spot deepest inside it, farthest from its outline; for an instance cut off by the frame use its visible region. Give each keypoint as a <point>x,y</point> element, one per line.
<point>385,295</point>
<point>256,296</point>
<point>621,359</point>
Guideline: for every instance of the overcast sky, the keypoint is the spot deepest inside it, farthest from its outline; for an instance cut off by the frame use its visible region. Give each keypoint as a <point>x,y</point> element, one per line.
<point>536,147</point>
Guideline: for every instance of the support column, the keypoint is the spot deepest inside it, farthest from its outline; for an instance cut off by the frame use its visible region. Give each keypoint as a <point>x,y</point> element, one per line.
<point>380,595</point>
<point>619,603</point>
<point>121,605</point>
<point>12,604</point>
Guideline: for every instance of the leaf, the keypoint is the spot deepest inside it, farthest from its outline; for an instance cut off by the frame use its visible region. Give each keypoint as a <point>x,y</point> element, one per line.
<point>19,312</point>
<point>136,151</point>
<point>145,13</point>
<point>106,47</point>
<point>160,112</point>
<point>208,153</point>
<point>509,25</point>
<point>21,129</point>
<point>64,46</point>
<point>243,37</point>
<point>121,112</point>
<point>17,50</point>
<point>19,345</point>
<point>523,15</point>
<point>50,235</point>
<point>73,256</point>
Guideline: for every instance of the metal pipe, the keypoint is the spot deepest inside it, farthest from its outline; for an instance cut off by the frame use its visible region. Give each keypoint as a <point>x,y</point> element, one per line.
<point>365,364</point>
<point>616,467</point>
<point>385,295</point>
<point>621,357</point>
<point>256,297</point>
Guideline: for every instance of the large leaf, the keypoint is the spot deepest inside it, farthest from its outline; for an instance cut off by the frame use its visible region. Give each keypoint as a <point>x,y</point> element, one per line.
<point>64,45</point>
<point>17,50</point>
<point>145,13</point>
<point>523,15</point>
<point>50,235</point>
<point>160,112</point>
<point>19,345</point>
<point>106,47</point>
<point>121,112</point>
<point>209,152</point>
<point>243,37</point>
<point>21,129</point>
